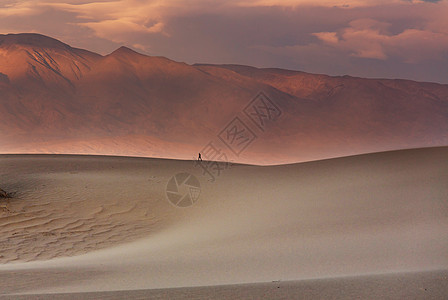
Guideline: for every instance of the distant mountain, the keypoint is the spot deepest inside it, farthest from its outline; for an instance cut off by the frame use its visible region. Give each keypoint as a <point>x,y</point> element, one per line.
<point>58,99</point>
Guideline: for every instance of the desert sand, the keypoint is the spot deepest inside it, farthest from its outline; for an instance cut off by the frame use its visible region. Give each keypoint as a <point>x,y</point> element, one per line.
<point>369,226</point>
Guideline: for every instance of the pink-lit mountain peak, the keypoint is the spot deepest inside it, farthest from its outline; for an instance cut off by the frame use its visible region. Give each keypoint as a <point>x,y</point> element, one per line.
<point>31,57</point>
<point>125,51</point>
<point>31,40</point>
<point>56,98</point>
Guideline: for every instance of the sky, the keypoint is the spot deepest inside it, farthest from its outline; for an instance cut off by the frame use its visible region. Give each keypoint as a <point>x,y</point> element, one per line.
<point>367,38</point>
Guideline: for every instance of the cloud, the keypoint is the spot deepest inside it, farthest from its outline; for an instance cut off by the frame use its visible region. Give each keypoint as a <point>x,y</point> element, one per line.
<point>116,30</point>
<point>110,19</point>
<point>329,3</point>
<point>19,8</point>
<point>327,37</point>
<point>362,37</point>
<point>368,38</point>
<point>141,47</point>
<point>114,19</point>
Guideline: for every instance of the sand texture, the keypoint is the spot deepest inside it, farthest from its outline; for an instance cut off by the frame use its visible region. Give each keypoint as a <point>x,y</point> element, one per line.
<point>81,224</point>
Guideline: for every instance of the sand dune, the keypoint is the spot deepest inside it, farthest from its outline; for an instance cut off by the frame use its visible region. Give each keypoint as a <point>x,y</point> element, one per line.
<point>419,285</point>
<point>67,205</point>
<point>87,224</point>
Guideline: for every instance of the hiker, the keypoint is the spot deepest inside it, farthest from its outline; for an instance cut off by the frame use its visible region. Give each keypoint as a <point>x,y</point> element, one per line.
<point>199,157</point>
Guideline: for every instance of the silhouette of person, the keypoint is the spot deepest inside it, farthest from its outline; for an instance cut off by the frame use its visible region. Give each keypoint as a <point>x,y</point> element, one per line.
<point>199,157</point>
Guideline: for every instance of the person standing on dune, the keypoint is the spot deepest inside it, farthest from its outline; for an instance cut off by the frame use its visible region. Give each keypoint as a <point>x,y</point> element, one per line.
<point>199,157</point>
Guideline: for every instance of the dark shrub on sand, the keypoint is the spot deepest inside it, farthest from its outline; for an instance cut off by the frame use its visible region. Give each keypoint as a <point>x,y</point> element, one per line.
<point>4,194</point>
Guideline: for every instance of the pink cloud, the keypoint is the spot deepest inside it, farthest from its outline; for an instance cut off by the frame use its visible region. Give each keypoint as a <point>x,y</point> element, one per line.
<point>321,3</point>
<point>328,36</point>
<point>368,38</point>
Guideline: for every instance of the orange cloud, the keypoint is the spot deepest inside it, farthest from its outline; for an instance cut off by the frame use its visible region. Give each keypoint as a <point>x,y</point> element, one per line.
<point>114,19</point>
<point>20,8</point>
<point>327,37</point>
<point>324,3</point>
<point>369,38</point>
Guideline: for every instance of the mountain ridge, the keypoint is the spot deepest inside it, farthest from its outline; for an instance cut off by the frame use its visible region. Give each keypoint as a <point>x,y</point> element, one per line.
<point>54,96</point>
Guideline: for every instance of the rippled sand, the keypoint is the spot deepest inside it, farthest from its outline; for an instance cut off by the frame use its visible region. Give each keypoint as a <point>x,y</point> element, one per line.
<point>102,224</point>
<point>69,205</point>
